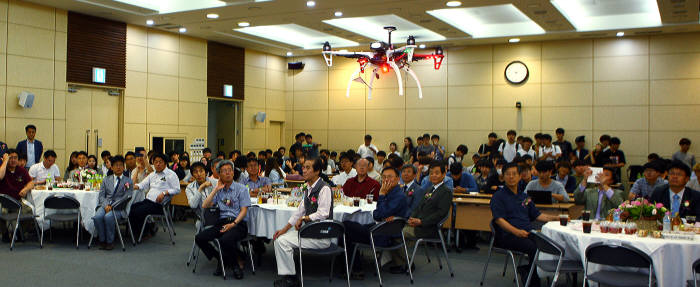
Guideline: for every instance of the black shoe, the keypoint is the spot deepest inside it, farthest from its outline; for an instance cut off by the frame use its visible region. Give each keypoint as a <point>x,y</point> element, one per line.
<point>237,273</point>
<point>219,269</point>
<point>287,281</point>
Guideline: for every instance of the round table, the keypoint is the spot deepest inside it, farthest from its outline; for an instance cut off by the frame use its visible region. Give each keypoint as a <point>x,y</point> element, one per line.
<point>672,258</point>
<point>88,203</point>
<point>265,219</point>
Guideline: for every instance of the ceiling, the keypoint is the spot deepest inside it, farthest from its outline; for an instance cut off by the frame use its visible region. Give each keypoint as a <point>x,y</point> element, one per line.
<point>676,16</point>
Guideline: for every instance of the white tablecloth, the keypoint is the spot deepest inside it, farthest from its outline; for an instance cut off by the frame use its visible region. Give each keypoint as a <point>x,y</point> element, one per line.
<point>672,258</point>
<point>265,219</point>
<point>87,199</point>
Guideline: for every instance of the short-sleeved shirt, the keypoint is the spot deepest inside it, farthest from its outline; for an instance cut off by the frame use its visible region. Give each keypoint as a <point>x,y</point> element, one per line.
<point>14,182</point>
<point>39,172</point>
<point>366,152</point>
<point>355,188</point>
<point>518,209</point>
<point>554,149</point>
<point>509,150</point>
<point>554,186</point>
<point>262,181</point>
<point>230,200</point>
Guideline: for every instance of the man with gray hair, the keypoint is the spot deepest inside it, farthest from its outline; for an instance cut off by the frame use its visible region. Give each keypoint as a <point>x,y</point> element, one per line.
<point>362,184</point>
<point>414,192</point>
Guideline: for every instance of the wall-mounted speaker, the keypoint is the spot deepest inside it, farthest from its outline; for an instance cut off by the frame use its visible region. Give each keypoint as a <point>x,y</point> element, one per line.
<point>26,99</point>
<point>260,117</point>
<point>295,66</point>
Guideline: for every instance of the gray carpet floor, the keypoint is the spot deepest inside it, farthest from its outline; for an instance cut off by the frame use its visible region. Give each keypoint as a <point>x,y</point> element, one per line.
<point>158,263</point>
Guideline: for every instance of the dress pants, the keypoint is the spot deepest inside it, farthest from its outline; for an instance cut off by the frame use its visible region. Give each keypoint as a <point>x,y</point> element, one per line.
<point>25,224</point>
<point>525,245</point>
<point>104,225</point>
<point>356,233</point>
<point>284,250</point>
<point>229,240</point>
<point>139,211</point>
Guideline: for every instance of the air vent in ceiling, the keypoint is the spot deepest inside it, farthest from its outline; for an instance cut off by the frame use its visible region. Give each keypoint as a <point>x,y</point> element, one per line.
<point>540,12</point>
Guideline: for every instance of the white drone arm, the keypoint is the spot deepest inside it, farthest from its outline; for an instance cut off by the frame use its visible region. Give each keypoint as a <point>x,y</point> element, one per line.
<point>371,83</point>
<point>398,76</point>
<point>413,75</point>
<point>352,78</point>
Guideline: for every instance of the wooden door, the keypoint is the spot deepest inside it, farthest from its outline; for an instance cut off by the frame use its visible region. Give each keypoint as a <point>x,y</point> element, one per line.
<point>91,109</point>
<point>274,135</point>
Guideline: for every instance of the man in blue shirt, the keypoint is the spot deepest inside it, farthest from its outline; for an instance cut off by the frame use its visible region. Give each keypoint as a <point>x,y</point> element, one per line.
<point>463,181</point>
<point>232,200</point>
<point>254,182</point>
<point>512,212</point>
<point>652,179</point>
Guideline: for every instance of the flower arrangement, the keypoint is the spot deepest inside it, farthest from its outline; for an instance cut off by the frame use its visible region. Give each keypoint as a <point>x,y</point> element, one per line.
<point>640,209</point>
<point>526,202</point>
<point>86,174</point>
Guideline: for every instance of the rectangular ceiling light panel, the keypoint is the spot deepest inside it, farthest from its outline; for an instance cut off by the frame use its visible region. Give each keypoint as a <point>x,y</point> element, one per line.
<point>489,21</point>
<point>595,15</point>
<point>296,35</point>
<point>373,27</point>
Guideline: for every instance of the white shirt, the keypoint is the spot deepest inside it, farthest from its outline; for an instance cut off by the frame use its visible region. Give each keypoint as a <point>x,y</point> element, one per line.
<point>366,152</point>
<point>554,149</point>
<point>30,153</point>
<point>509,150</point>
<point>325,198</point>
<point>158,182</point>
<point>342,177</point>
<point>531,153</point>
<point>104,169</point>
<point>39,172</point>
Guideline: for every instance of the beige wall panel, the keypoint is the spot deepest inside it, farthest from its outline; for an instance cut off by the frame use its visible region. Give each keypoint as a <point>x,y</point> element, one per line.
<point>415,133</point>
<point>311,120</point>
<point>25,13</point>
<point>60,76</point>
<point>675,66</point>
<point>78,118</point>
<point>521,52</point>
<point>469,54</point>
<point>627,46</point>
<point>255,139</point>
<point>385,81</point>
<point>163,40</point>
<point>665,143</point>
<point>346,120</point>
<point>3,10</point>
<point>162,112</point>
<point>192,132</point>
<point>469,74</point>
<point>426,119</point>
<point>506,95</point>
<point>193,114</point>
<point>620,118</point>
<point>428,77</point>
<point>433,97</point>
<point>275,115</point>
<point>575,118</point>
<point>469,118</point>
<point>633,143</point>
<point>160,130</point>
<point>567,49</point>
<point>675,92</point>
<point>61,49</point>
<point>254,97</point>
<point>193,67</point>
<point>59,135</point>
<point>61,20</point>
<point>311,81</point>
<point>42,108</point>
<point>193,46</point>
<point>136,58</point>
<point>339,99</point>
<point>339,78</point>
<point>671,118</point>
<point>61,160</point>
<point>386,99</point>
<point>3,37</point>
<point>30,41</point>
<point>276,63</point>
<point>623,68</point>
<point>528,118</point>
<point>59,104</point>
<point>469,96</point>
<point>29,72</point>
<point>675,43</point>
<point>3,69</point>
<point>136,84</point>
<point>255,58</point>
<point>621,93</point>
<point>275,80</point>
<point>472,139</point>
<point>567,94</point>
<point>274,99</point>
<point>192,90</point>
<point>386,119</point>
<point>163,62</point>
<point>254,76</point>
<point>134,110</point>
<point>311,100</point>
<point>2,104</point>
<point>339,63</point>
<point>162,87</point>
<point>567,70</point>
<point>341,140</point>
<point>382,138</point>
<point>136,35</point>
<point>289,100</point>
<point>314,63</point>
<point>14,131</point>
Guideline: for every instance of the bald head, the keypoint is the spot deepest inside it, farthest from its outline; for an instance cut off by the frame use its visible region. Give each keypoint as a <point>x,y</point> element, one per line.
<point>361,166</point>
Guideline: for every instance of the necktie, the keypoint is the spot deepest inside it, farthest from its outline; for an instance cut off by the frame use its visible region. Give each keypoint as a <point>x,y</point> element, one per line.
<point>119,179</point>
<point>600,202</point>
<point>405,188</point>
<point>676,204</point>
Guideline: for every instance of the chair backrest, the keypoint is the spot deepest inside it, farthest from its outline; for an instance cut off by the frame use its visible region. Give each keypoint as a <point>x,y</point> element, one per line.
<point>61,201</point>
<point>210,216</point>
<point>388,228</point>
<point>617,255</point>
<point>9,203</point>
<point>443,220</point>
<point>696,266</point>
<point>323,229</point>
<point>547,245</point>
<point>121,204</point>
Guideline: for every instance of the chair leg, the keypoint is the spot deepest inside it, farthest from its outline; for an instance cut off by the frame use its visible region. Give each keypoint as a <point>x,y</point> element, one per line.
<point>90,241</point>
<point>119,232</point>
<point>14,233</point>
<point>191,256</point>
<point>352,258</point>
<point>437,257</point>
<point>505,265</point>
<point>41,240</point>
<point>221,257</point>
<point>405,250</point>
<point>515,268</point>
<point>301,266</point>
<point>376,262</point>
<point>413,255</point>
<point>532,267</point>
<point>347,268</point>
<point>77,233</point>
<point>486,265</point>
<point>447,259</point>
<point>250,253</point>
<point>143,226</point>
<point>330,277</point>
<point>196,260</point>
<point>131,232</point>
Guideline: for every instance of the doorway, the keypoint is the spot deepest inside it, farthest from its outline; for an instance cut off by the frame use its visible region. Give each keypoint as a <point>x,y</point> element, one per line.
<point>274,135</point>
<point>92,121</point>
<point>223,126</point>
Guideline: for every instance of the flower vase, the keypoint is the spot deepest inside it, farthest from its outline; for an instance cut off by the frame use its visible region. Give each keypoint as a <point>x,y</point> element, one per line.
<point>645,223</point>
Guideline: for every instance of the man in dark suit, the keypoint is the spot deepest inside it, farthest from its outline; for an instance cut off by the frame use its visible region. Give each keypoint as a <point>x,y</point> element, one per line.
<point>114,188</point>
<point>31,147</point>
<point>675,196</point>
<point>414,192</point>
<point>434,207</point>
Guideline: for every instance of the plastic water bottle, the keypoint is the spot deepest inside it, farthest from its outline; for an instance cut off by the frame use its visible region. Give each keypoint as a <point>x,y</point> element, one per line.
<point>616,215</point>
<point>667,221</point>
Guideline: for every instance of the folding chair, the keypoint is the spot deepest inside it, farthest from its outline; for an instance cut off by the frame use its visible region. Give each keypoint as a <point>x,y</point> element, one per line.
<point>165,220</point>
<point>11,204</point>
<point>325,229</point>
<point>549,246</point>
<point>440,240</point>
<point>621,255</point>
<point>509,254</point>
<point>695,271</point>
<point>387,228</point>
<point>62,202</point>
<point>210,216</point>
<point>119,206</point>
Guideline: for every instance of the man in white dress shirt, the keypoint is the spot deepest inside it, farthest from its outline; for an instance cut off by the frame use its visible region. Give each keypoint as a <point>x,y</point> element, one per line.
<point>346,171</point>
<point>40,171</point>
<point>509,149</point>
<point>367,149</point>
<point>160,183</point>
<point>317,205</point>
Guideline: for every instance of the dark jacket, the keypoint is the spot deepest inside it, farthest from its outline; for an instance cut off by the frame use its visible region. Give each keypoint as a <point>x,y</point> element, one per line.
<point>38,149</point>
<point>662,195</point>
<point>413,196</point>
<point>431,210</point>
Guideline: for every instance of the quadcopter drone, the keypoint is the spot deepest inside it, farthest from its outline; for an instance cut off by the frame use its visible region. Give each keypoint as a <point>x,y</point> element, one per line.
<point>384,57</point>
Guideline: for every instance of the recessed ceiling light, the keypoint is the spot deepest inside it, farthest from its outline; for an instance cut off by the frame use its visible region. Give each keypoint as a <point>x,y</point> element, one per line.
<point>243,24</point>
<point>620,34</point>
<point>289,54</point>
<point>373,27</point>
<point>212,16</point>
<point>504,20</point>
<point>310,3</point>
<point>453,4</point>
<point>513,40</point>
<point>421,46</point>
<point>338,14</point>
<point>586,15</point>
<point>182,30</point>
<point>149,22</point>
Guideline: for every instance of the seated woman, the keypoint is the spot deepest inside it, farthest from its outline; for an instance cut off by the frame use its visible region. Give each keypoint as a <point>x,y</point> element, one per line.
<point>82,160</point>
<point>114,188</point>
<point>273,171</point>
<point>92,163</point>
<point>185,165</point>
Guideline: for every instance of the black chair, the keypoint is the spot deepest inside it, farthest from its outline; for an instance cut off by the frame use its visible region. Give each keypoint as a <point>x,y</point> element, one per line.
<point>210,216</point>
<point>119,206</point>
<point>164,218</point>
<point>65,203</point>
<point>197,228</point>
<point>621,255</point>
<point>387,228</point>
<point>549,246</point>
<point>12,206</point>
<point>440,240</point>
<point>324,229</point>
<point>695,271</point>
<point>509,254</point>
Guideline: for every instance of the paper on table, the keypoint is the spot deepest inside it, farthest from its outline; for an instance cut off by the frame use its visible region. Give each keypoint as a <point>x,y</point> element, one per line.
<point>596,171</point>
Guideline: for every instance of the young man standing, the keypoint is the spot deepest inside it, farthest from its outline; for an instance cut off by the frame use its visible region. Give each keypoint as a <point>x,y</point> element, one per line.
<point>581,153</point>
<point>367,149</point>
<point>439,150</point>
<point>615,158</point>
<point>683,155</point>
<point>548,151</point>
<point>489,149</point>
<point>30,147</point>
<point>563,144</point>
<point>510,148</point>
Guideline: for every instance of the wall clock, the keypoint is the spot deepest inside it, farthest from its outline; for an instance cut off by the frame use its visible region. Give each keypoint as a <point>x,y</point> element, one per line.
<point>516,72</point>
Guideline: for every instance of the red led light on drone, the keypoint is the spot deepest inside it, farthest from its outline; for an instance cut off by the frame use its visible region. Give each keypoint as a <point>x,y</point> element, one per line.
<point>385,68</point>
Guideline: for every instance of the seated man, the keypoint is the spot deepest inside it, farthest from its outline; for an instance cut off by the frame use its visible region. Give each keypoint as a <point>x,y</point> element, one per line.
<point>463,181</point>
<point>232,200</point>
<point>391,203</point>
<point>512,213</point>
<point>361,185</point>
<point>40,171</point>
<point>645,186</point>
<point>15,182</point>
<point>371,172</point>
<point>423,221</point>
<point>254,182</point>
<point>484,168</point>
<point>563,176</point>
<point>317,205</point>
<point>545,182</point>
<point>601,198</point>
<point>414,192</point>
<point>346,171</point>
<point>113,188</point>
<point>495,180</point>
<point>525,175</point>
<point>200,188</point>
<point>157,185</point>
<point>675,196</point>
